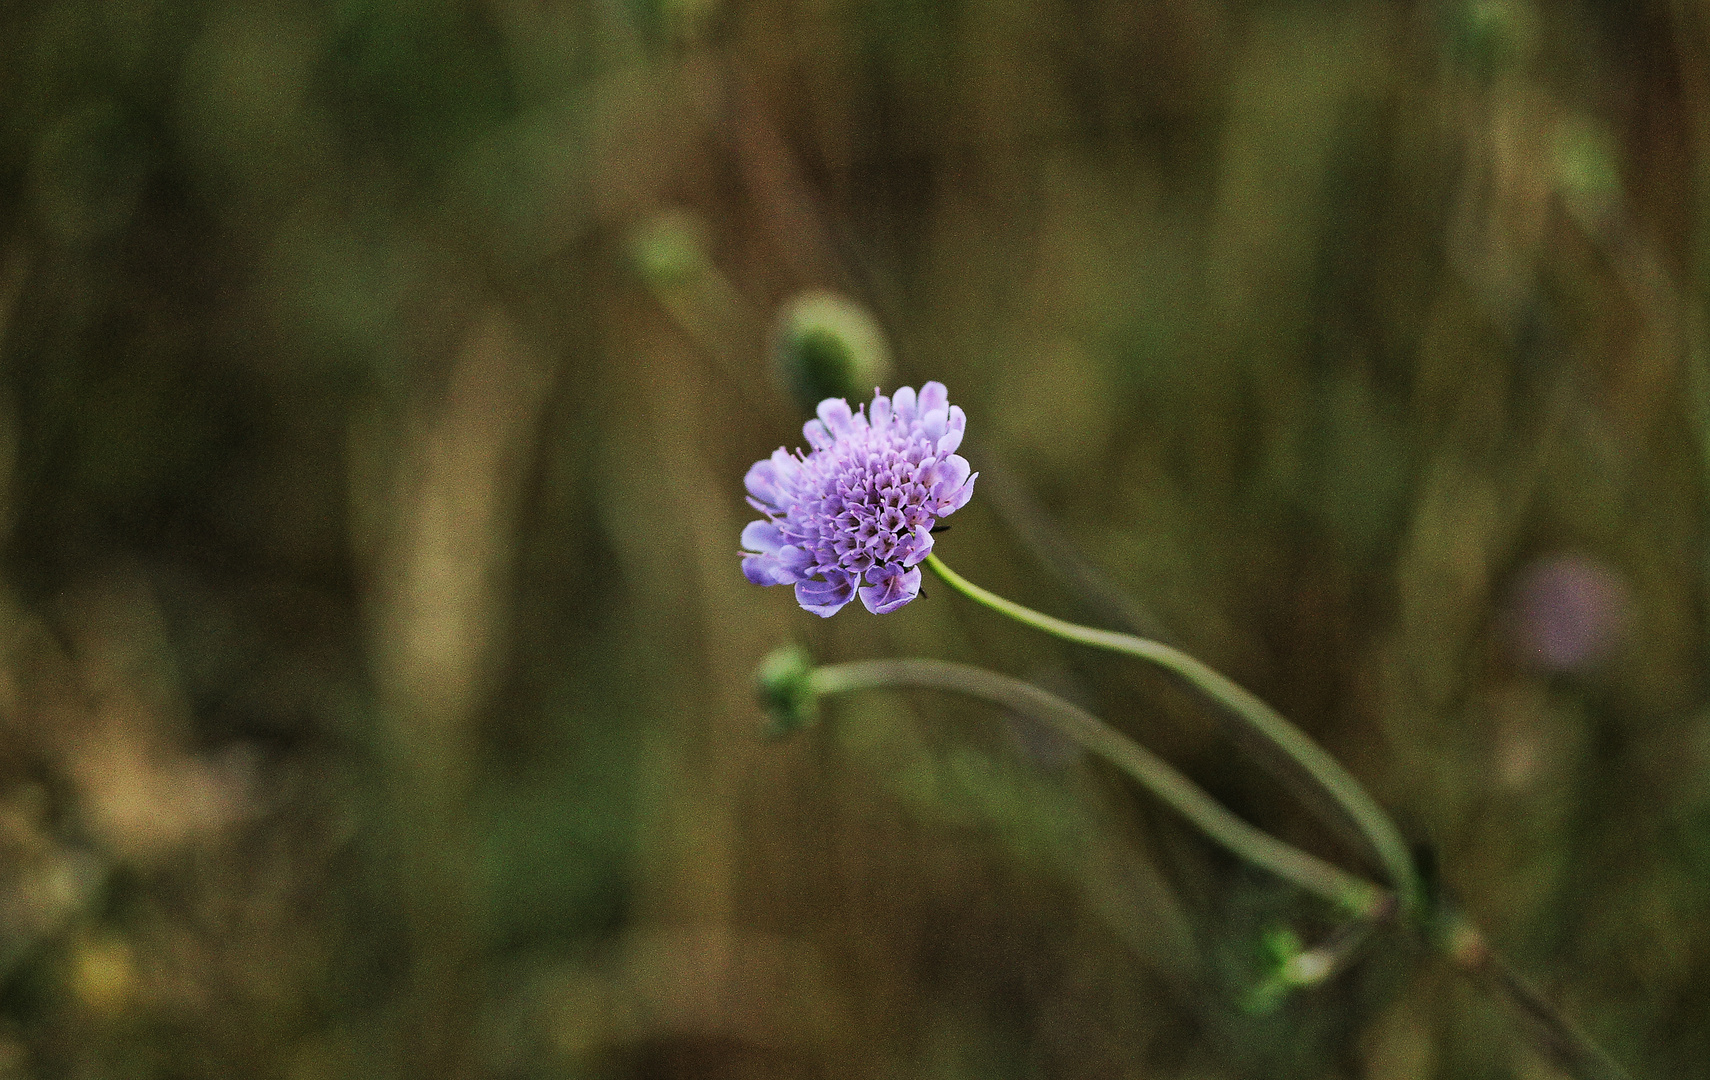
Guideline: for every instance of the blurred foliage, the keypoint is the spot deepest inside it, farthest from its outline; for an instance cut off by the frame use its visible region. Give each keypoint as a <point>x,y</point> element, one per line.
<point>377,379</point>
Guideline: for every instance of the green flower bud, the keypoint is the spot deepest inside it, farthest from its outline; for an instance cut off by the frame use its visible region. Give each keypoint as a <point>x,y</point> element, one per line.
<point>827,346</point>
<point>785,684</point>
<point>1588,172</point>
<point>669,251</point>
<point>1491,37</point>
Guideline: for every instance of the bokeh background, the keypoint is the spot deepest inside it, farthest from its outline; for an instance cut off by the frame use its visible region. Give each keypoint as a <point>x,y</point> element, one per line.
<point>376,382</point>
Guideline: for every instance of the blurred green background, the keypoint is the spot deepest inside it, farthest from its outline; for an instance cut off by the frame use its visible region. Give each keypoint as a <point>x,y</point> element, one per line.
<point>377,378</point>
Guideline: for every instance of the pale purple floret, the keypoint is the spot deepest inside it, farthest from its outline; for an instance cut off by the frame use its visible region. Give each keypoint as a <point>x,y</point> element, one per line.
<point>856,513</point>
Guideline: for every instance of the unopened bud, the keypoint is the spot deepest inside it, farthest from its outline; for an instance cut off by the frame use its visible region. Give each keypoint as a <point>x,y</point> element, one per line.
<point>785,684</point>
<point>1491,37</point>
<point>827,346</point>
<point>669,250</point>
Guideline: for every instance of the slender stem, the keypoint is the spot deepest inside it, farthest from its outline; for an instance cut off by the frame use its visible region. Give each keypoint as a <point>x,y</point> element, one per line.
<point>1553,1032</point>
<point>1558,1037</point>
<point>1326,772</point>
<point>1354,894</point>
<point>1316,965</point>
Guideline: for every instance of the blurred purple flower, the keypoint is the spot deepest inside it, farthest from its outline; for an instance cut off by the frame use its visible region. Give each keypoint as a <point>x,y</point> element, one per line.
<point>862,505</point>
<point>1570,612</point>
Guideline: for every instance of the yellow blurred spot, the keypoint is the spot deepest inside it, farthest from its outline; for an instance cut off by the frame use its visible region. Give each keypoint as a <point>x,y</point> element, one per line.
<point>104,975</point>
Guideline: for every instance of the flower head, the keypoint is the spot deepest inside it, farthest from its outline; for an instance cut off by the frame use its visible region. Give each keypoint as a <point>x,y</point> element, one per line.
<point>1572,610</point>
<point>861,506</point>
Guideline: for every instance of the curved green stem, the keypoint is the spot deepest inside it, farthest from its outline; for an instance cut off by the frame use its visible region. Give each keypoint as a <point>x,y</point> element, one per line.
<point>1354,894</point>
<point>1379,833</point>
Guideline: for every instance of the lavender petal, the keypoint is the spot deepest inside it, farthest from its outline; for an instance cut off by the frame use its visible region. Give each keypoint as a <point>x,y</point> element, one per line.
<point>894,588</point>
<point>826,598</point>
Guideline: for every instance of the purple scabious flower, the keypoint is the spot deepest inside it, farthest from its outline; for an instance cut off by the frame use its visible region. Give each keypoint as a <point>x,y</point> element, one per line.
<point>862,505</point>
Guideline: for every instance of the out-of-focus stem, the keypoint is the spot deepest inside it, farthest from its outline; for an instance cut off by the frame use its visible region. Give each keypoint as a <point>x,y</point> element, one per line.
<point>1552,1032</point>
<point>435,621</point>
<point>1326,772</point>
<point>1348,891</point>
